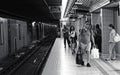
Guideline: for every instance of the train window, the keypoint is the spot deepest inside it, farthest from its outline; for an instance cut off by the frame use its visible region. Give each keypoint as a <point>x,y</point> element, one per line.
<point>118,9</point>
<point>19,31</point>
<point>1,36</point>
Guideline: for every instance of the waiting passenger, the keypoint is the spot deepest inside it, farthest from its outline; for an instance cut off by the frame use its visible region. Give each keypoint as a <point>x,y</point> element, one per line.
<point>98,39</point>
<point>85,40</point>
<point>73,37</point>
<point>111,43</point>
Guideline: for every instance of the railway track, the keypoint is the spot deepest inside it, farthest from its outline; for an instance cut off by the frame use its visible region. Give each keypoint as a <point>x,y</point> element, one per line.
<point>33,63</point>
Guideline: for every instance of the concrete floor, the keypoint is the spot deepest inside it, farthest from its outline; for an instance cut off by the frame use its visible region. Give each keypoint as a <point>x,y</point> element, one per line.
<point>62,62</point>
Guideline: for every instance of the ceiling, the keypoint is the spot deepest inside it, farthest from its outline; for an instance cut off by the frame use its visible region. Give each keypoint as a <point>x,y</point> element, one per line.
<point>83,6</point>
<point>111,5</point>
<point>32,9</point>
<point>88,3</point>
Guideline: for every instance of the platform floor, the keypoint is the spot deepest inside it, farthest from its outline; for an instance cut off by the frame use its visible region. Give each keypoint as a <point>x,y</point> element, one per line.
<point>62,62</point>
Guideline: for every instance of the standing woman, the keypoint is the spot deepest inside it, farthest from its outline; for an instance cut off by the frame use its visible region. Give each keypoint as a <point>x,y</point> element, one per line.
<point>111,43</point>
<point>98,38</point>
<point>73,37</point>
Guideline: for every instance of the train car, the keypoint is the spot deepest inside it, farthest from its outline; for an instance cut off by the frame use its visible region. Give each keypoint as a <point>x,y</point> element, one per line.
<point>15,34</point>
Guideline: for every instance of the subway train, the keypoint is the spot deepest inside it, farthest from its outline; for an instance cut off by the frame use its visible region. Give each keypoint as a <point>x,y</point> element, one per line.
<point>15,34</point>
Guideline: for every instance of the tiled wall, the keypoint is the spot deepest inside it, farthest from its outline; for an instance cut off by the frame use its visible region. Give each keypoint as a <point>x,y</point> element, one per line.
<point>77,24</point>
<point>95,18</point>
<point>82,22</point>
<point>106,19</point>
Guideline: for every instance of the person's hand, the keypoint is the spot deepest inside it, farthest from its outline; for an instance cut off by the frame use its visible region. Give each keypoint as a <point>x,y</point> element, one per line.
<point>94,45</point>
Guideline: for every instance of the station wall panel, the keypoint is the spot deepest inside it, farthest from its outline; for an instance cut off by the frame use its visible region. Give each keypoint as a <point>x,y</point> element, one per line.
<point>106,19</point>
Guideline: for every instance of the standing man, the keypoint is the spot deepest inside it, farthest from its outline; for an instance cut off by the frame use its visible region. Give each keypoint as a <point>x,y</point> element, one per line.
<point>66,36</point>
<point>85,41</point>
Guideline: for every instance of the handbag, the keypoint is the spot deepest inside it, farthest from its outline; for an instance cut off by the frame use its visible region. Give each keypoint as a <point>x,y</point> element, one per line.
<point>117,37</point>
<point>95,53</point>
<point>79,58</point>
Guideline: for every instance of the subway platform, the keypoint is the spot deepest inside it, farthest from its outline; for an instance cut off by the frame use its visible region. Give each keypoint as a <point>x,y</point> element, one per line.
<point>62,62</point>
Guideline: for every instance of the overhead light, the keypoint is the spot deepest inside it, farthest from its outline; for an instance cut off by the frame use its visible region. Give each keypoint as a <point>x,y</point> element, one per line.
<point>33,23</point>
<point>78,3</point>
<point>74,7</point>
<point>80,16</point>
<point>64,5</point>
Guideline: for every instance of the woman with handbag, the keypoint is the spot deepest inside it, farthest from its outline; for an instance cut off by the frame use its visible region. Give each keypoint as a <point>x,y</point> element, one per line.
<point>111,43</point>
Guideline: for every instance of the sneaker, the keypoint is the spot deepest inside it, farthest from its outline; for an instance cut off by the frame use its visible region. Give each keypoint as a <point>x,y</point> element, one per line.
<point>69,46</point>
<point>113,59</point>
<point>107,59</point>
<point>73,52</point>
<point>65,46</point>
<point>82,63</point>
<point>88,65</point>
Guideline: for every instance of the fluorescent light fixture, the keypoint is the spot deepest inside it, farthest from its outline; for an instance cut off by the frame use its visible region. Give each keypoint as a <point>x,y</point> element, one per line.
<point>78,3</point>
<point>80,16</point>
<point>2,19</point>
<point>74,8</point>
<point>33,23</point>
<point>64,3</point>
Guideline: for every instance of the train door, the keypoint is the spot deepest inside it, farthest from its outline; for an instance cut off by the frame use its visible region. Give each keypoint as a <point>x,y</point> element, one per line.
<point>3,37</point>
<point>12,33</point>
<point>41,31</point>
<point>9,38</point>
<point>43,26</point>
<point>37,31</point>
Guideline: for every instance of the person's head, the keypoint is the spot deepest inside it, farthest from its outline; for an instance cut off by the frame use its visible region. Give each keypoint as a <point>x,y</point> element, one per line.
<point>80,30</point>
<point>97,26</point>
<point>111,26</point>
<point>65,27</point>
<point>83,31</point>
<point>88,25</point>
<point>72,28</point>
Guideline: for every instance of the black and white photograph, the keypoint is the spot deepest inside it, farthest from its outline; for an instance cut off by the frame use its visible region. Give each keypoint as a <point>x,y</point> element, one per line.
<point>60,37</point>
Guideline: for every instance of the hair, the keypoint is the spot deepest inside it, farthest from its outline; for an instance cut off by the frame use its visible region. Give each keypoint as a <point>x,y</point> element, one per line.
<point>86,21</point>
<point>71,28</point>
<point>97,26</point>
<point>111,25</point>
